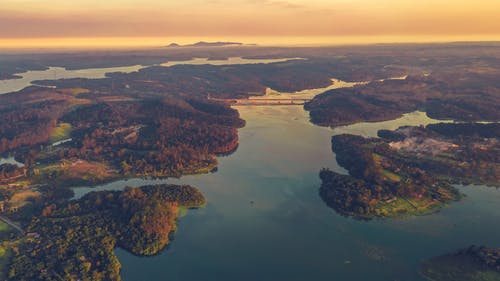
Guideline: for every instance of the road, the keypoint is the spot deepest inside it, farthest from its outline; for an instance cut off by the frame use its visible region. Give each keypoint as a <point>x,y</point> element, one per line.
<point>12,224</point>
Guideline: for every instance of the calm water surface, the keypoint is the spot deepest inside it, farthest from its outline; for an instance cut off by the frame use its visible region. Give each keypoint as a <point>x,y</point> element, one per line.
<point>10,160</point>
<point>264,219</point>
<point>53,73</point>
<point>228,61</point>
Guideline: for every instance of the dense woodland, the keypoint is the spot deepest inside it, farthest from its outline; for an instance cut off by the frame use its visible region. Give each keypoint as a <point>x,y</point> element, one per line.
<point>459,152</point>
<point>9,171</point>
<point>234,81</point>
<point>155,136</point>
<point>411,163</point>
<point>76,240</point>
<point>489,257</point>
<point>160,121</point>
<point>472,263</point>
<point>456,95</point>
<point>491,130</point>
<point>376,186</point>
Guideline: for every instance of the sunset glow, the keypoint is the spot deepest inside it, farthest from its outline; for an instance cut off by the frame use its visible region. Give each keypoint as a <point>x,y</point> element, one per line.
<point>32,23</point>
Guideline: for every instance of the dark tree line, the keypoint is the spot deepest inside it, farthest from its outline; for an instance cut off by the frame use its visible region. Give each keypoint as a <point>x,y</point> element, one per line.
<point>76,240</point>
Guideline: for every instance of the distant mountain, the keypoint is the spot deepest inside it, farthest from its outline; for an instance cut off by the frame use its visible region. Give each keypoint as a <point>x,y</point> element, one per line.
<point>206,44</point>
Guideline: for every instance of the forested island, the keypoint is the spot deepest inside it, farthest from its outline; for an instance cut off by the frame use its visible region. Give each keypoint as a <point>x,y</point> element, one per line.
<point>444,94</point>
<point>73,136</point>
<point>103,140</point>
<point>164,122</point>
<point>76,240</point>
<point>409,171</point>
<point>477,263</point>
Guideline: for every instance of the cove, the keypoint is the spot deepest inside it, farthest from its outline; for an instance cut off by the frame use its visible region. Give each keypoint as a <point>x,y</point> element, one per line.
<point>264,219</point>
<point>55,73</point>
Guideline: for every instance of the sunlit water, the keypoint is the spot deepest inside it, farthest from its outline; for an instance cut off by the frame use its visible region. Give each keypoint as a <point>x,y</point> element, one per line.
<point>264,219</point>
<point>370,129</point>
<point>228,61</point>
<point>308,93</point>
<point>10,160</point>
<point>311,93</point>
<point>53,73</point>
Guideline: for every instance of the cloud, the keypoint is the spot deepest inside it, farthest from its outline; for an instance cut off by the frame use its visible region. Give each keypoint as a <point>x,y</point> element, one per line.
<point>279,4</point>
<point>246,18</point>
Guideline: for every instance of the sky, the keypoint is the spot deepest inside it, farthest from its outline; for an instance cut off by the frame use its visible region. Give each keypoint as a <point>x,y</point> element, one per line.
<point>149,22</point>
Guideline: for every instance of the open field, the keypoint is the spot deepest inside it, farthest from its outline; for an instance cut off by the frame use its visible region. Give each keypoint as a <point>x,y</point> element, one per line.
<point>69,172</point>
<point>61,132</point>
<point>21,198</point>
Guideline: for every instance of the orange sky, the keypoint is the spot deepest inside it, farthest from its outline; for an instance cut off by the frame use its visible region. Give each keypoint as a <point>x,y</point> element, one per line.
<point>77,22</point>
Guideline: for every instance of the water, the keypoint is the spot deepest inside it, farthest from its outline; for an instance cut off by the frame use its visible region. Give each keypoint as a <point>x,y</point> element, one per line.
<point>228,61</point>
<point>264,219</point>
<point>288,233</point>
<point>10,160</point>
<point>57,143</point>
<point>311,93</point>
<point>308,93</point>
<point>370,129</point>
<point>53,73</point>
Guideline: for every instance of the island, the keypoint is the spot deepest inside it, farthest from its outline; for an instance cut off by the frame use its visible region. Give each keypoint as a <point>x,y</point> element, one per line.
<point>75,240</point>
<point>69,137</point>
<point>475,263</point>
<point>73,136</point>
<point>160,122</point>
<point>410,171</point>
<point>443,94</point>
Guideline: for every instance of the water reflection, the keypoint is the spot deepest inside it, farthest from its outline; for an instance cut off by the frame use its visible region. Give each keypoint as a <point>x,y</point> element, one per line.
<point>54,73</point>
<point>228,61</point>
<point>370,129</point>
<point>10,160</point>
<point>265,221</point>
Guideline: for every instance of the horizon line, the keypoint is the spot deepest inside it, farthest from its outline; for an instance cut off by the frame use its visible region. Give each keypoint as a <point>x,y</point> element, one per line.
<point>135,42</point>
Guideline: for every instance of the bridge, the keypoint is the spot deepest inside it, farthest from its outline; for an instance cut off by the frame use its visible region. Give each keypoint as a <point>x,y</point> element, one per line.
<point>264,101</point>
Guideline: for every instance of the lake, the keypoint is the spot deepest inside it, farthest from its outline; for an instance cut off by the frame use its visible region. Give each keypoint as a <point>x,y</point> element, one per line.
<point>53,73</point>
<point>264,219</point>
<point>10,160</point>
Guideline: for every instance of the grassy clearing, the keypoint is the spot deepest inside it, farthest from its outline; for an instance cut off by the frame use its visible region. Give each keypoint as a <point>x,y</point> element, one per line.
<point>22,197</point>
<point>402,207</point>
<point>71,172</point>
<point>18,183</point>
<point>6,232</point>
<point>391,176</point>
<point>4,228</point>
<point>5,256</point>
<point>61,132</point>
<point>76,91</point>
<point>5,249</point>
<point>377,158</point>
<point>115,99</point>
